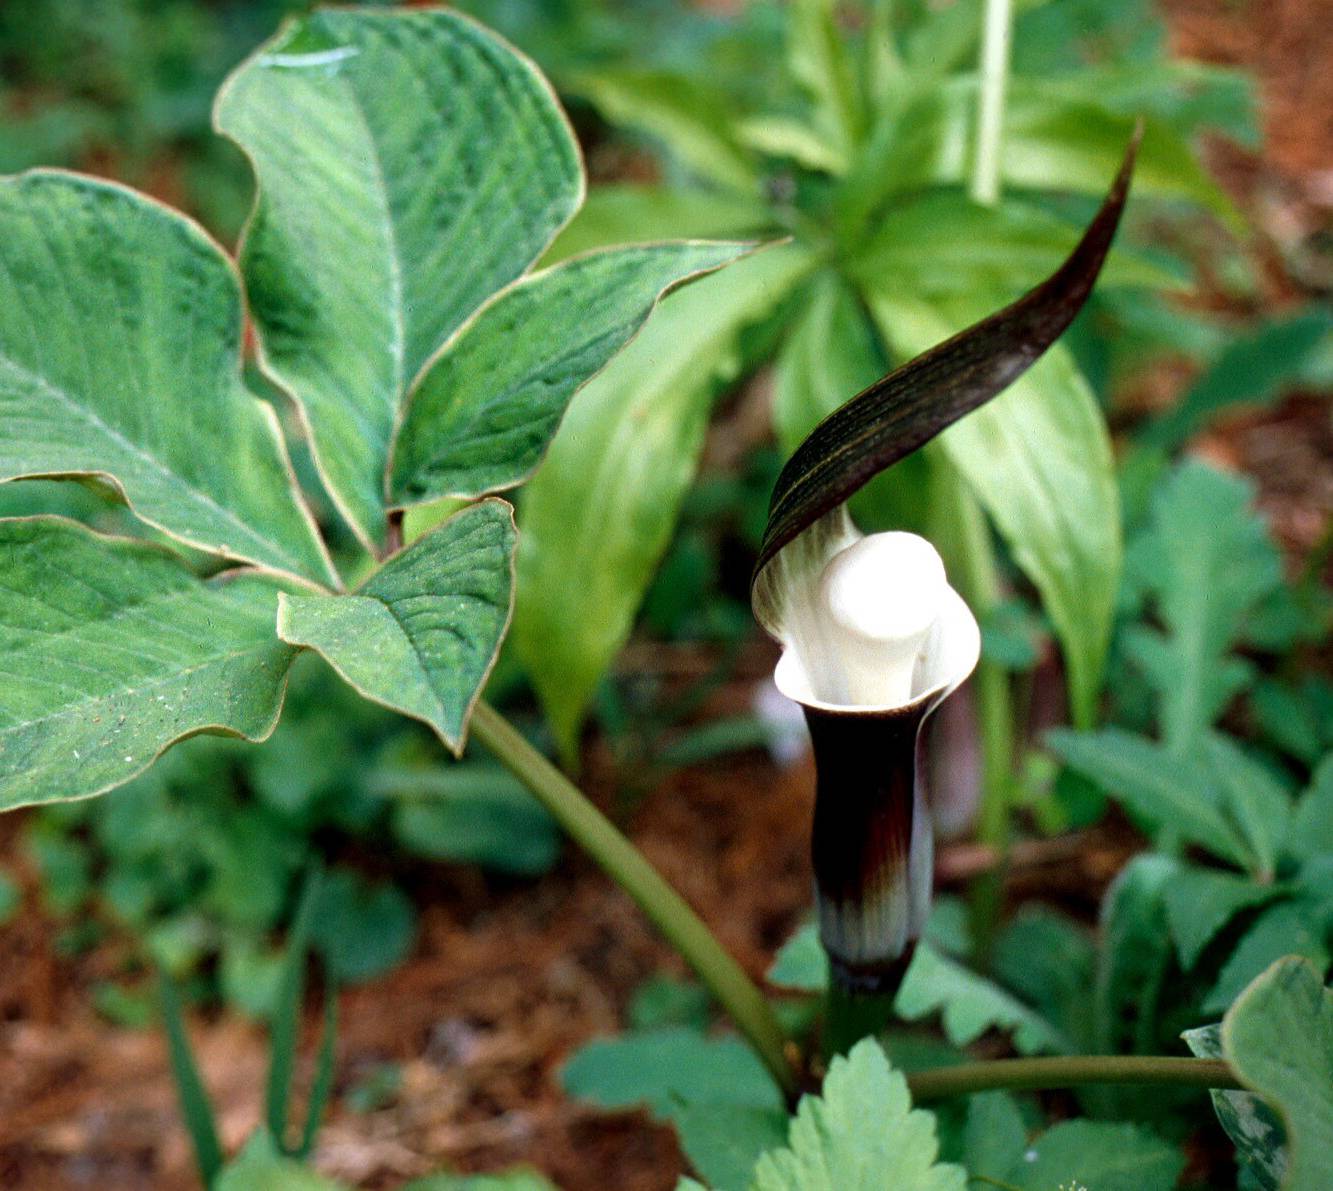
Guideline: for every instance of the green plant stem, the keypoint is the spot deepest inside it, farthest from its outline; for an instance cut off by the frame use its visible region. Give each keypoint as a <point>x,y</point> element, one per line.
<point>1069,1072</point>
<point>627,866</point>
<point>849,1017</point>
<point>995,714</point>
<point>995,41</point>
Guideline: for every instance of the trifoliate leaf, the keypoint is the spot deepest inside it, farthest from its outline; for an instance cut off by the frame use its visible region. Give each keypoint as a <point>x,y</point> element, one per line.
<point>120,358</point>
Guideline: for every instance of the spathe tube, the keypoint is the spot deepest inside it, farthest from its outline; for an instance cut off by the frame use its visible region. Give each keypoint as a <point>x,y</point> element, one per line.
<point>872,846</point>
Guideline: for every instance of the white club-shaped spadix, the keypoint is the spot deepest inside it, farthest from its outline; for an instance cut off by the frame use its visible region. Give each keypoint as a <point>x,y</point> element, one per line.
<point>882,595</point>
<point>865,622</point>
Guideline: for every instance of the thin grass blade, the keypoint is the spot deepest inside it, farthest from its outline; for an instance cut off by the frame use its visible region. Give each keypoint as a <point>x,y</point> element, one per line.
<point>286,1028</point>
<point>322,1085</point>
<point>196,1108</point>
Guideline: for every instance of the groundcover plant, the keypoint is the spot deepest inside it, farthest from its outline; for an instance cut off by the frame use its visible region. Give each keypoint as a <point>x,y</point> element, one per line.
<point>410,170</point>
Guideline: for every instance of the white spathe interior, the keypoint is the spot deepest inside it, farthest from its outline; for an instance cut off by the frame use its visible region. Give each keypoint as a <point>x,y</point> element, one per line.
<point>875,627</point>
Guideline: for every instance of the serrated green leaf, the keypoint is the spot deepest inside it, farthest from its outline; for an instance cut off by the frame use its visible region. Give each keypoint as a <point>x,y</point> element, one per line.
<point>1200,902</point>
<point>1208,560</point>
<point>599,513</point>
<point>1311,831</point>
<point>421,634</point>
<point>1254,799</point>
<point>1039,460</point>
<point>1252,370</point>
<point>112,650</point>
<point>120,354</point>
<point>971,1005</point>
<point>1279,1038</point>
<point>1288,929</point>
<point>1099,1156</point>
<point>1167,790</point>
<point>830,1147</point>
<point>486,406</point>
<point>1250,1123</point>
<point>436,144</point>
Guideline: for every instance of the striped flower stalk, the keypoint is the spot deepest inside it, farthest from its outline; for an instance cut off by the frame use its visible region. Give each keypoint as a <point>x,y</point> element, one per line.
<point>873,637</point>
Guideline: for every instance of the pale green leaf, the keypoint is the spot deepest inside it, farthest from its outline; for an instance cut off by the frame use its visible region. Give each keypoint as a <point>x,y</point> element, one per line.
<point>120,358</point>
<point>1039,460</point>
<point>487,405</point>
<point>1098,1156</point>
<point>994,1137</point>
<point>111,650</point>
<point>723,1142</point>
<point>1279,1038</point>
<point>1208,560</point>
<point>1254,799</point>
<point>1200,902</point>
<point>628,213</point>
<point>508,1180</point>
<point>943,243</point>
<point>682,111</point>
<point>600,511</point>
<point>409,165</point>
<point>1168,791</point>
<point>801,962</point>
<point>421,634</point>
<point>830,1147</point>
<point>261,1166</point>
<point>971,1005</point>
<point>818,59</point>
<point>1311,831</point>
<point>1261,1143</point>
<point>666,1068</point>
<point>1287,929</point>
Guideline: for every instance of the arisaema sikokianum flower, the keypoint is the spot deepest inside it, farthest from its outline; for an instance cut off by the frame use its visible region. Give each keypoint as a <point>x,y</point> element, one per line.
<point>873,637</point>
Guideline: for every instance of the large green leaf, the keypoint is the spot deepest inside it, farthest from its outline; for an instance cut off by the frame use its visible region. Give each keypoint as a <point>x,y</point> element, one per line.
<point>1105,1155</point>
<point>830,1147</point>
<point>421,634</point>
<point>628,213</point>
<point>120,357</point>
<point>1279,1038</point>
<point>1167,790</point>
<point>1200,902</point>
<point>487,405</point>
<point>600,510</point>
<point>1207,559</point>
<point>1039,460</point>
<point>688,115</point>
<point>111,650</point>
<point>409,165</point>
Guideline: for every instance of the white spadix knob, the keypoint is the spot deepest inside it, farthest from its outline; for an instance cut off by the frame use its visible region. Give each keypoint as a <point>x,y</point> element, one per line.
<point>882,594</point>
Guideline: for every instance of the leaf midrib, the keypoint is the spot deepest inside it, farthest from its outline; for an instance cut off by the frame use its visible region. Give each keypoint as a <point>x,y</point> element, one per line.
<point>80,410</point>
